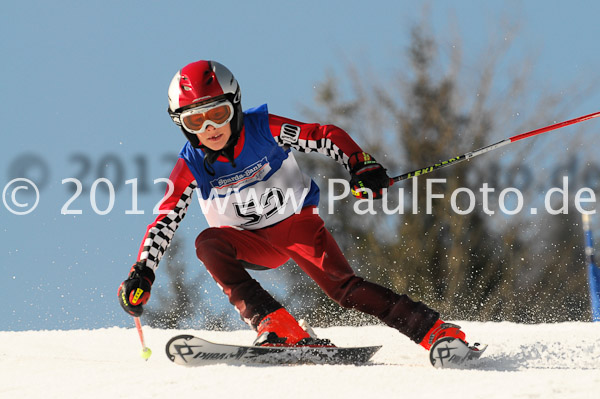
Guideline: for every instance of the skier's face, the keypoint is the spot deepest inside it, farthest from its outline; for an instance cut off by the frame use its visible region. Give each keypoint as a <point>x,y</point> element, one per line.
<point>215,138</point>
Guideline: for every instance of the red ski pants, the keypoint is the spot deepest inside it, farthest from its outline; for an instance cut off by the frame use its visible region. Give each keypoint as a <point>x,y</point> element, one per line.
<point>226,252</point>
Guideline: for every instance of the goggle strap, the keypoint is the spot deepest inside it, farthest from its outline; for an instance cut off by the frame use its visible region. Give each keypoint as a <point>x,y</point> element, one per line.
<point>175,116</point>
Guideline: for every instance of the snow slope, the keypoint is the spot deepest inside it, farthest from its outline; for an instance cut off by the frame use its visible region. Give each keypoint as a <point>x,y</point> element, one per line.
<point>522,361</point>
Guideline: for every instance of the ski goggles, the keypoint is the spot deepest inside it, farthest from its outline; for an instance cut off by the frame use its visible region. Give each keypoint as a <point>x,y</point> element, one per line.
<point>217,114</point>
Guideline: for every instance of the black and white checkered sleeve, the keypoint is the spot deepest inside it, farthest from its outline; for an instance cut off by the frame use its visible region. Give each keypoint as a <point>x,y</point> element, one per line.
<point>291,135</point>
<point>159,236</point>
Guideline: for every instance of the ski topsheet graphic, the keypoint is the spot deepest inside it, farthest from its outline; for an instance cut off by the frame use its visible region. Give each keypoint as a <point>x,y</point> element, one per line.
<point>188,350</point>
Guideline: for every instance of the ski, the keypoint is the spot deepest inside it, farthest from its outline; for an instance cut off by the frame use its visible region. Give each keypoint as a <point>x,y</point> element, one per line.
<point>187,350</point>
<point>454,353</point>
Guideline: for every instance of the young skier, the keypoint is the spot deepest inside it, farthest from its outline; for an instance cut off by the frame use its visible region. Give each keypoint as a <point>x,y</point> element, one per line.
<point>261,210</point>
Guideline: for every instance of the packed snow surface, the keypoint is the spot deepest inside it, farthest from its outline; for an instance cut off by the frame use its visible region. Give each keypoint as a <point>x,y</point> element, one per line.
<point>522,361</point>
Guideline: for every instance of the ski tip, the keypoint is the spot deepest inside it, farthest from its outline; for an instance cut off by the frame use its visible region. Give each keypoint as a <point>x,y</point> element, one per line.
<point>171,351</point>
<point>451,352</point>
<point>478,347</point>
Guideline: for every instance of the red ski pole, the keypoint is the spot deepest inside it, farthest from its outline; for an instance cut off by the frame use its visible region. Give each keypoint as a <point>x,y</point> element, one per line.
<point>491,147</point>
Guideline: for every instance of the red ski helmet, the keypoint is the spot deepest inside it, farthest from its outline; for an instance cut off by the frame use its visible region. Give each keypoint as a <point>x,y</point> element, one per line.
<point>200,83</point>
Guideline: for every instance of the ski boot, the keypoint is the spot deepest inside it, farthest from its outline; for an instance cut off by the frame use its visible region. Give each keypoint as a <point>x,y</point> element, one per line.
<point>279,328</point>
<point>440,330</point>
<point>448,347</point>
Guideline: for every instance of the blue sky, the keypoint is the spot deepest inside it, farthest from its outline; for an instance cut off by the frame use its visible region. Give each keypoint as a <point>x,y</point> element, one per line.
<point>83,88</point>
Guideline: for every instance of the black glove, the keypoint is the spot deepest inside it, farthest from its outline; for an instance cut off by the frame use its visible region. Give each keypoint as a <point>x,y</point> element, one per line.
<point>366,173</point>
<point>135,291</point>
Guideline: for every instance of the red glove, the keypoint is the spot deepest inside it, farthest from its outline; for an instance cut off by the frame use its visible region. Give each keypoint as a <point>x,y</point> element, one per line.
<point>366,173</point>
<point>135,291</point>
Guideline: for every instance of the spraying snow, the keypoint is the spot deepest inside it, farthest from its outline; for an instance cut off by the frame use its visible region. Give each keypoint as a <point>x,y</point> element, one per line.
<point>522,361</point>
